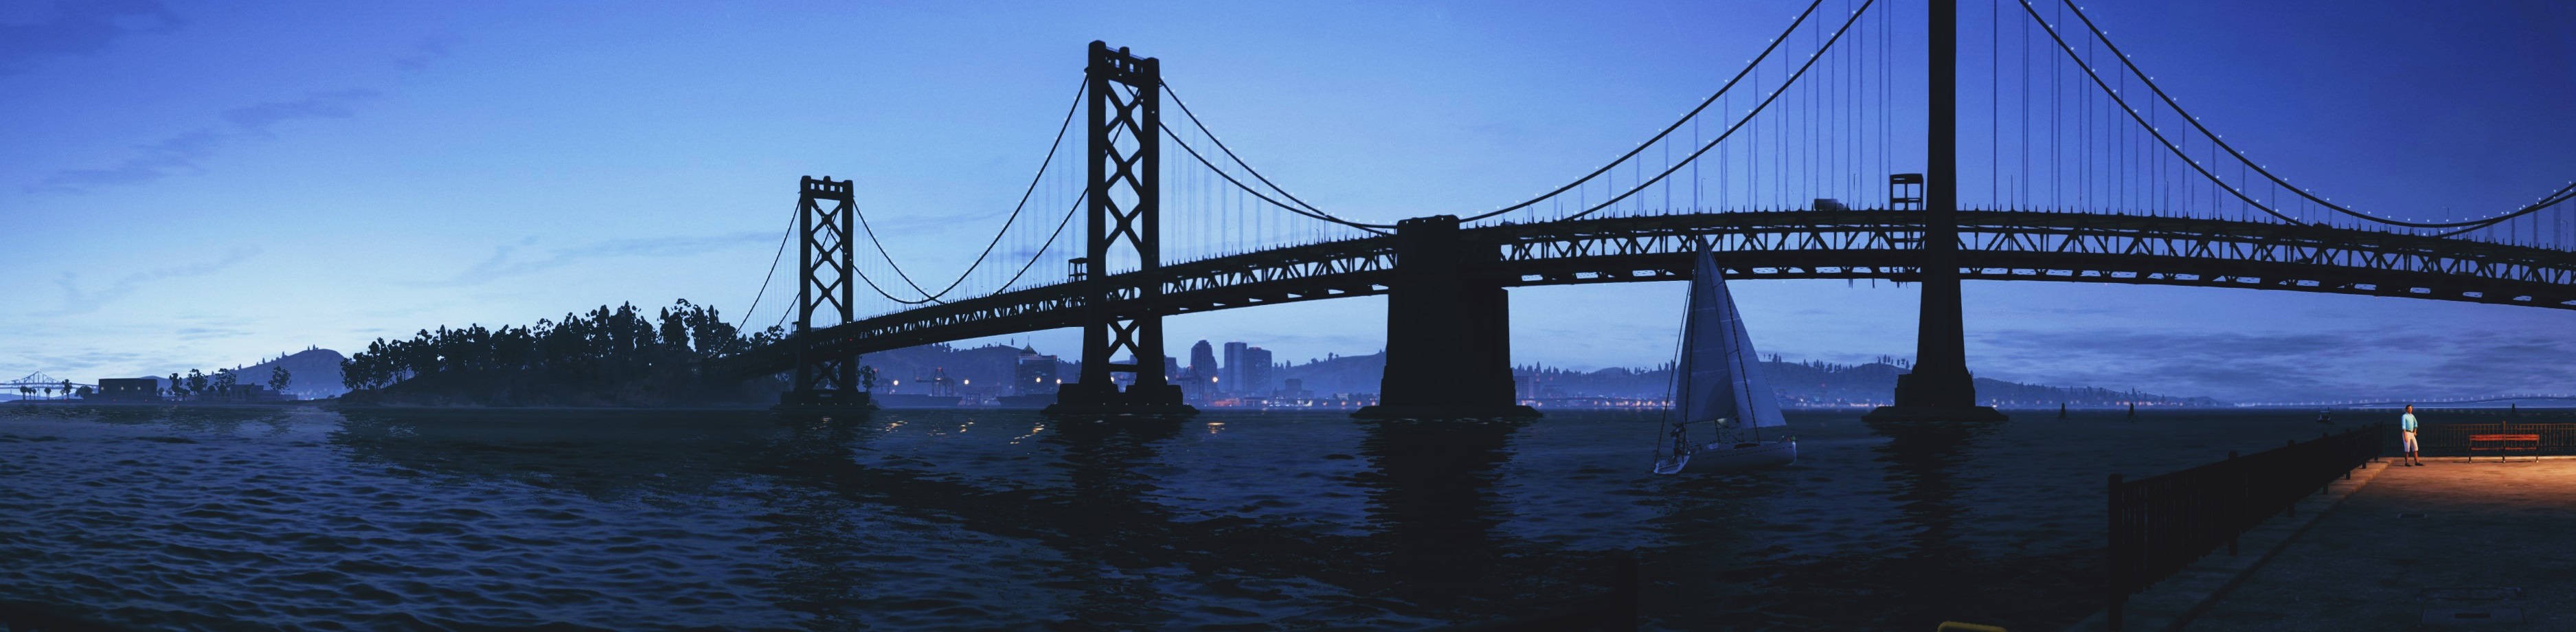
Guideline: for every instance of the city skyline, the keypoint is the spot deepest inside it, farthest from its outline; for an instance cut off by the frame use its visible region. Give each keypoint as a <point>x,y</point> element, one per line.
<point>646,159</point>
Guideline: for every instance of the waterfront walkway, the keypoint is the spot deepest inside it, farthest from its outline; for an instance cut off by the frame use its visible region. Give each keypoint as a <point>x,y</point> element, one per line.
<point>2477,545</point>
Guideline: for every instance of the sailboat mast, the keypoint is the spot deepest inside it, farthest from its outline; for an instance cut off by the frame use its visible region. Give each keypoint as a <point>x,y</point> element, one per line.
<point>1681,347</point>
<point>1743,396</point>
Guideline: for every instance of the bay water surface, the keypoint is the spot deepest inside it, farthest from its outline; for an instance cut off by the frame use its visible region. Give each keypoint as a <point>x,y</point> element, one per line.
<point>309,518</point>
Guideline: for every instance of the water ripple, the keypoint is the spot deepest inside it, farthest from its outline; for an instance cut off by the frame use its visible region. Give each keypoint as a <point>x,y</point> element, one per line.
<point>147,517</point>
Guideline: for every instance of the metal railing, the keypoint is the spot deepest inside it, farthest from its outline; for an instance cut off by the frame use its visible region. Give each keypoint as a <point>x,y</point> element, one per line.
<point>2161,524</point>
<point>2453,439</point>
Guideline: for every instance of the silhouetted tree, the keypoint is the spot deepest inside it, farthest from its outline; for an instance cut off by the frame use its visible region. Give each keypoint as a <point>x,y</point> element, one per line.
<point>196,383</point>
<point>224,381</point>
<point>675,331</point>
<point>278,378</point>
<point>601,351</point>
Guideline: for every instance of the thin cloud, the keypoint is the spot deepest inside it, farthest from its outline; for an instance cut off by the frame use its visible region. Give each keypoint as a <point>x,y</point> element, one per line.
<point>80,27</point>
<point>2310,366</point>
<point>202,333</point>
<point>78,301</point>
<point>153,161</point>
<point>184,152</point>
<point>508,260</point>
<point>426,50</point>
<point>258,118</point>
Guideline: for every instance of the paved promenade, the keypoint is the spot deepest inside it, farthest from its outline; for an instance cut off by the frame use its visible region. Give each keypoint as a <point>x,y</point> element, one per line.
<point>2450,545</point>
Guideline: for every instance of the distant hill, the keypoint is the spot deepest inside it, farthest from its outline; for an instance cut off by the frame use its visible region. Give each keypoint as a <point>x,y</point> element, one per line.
<point>1798,383</point>
<point>1826,384</point>
<point>981,370</point>
<point>313,373</point>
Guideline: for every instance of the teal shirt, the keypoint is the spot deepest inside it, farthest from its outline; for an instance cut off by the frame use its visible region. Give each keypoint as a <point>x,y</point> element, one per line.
<point>2407,422</point>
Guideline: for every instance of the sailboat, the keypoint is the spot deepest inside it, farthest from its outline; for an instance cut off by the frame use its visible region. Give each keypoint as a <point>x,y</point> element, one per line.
<point>1721,384</point>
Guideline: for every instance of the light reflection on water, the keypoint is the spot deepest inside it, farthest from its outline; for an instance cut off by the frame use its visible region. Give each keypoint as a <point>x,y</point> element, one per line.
<point>230,517</point>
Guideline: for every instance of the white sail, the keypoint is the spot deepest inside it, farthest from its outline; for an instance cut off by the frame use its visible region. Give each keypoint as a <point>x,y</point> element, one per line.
<point>1723,375</point>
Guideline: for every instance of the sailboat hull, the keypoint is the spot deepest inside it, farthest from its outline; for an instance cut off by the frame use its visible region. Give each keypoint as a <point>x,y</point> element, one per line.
<point>1732,457</point>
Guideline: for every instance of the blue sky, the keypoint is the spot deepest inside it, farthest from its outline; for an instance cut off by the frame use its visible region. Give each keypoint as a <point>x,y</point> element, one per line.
<point>202,184</point>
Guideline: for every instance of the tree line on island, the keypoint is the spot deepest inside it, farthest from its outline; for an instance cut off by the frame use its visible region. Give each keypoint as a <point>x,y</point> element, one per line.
<point>223,384</point>
<point>608,356</point>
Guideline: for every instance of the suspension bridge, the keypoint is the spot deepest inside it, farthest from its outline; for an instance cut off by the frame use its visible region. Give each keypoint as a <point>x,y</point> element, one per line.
<point>1789,170</point>
<point>38,385</point>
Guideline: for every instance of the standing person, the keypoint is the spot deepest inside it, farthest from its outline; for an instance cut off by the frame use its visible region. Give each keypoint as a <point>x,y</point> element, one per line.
<point>2406,433</point>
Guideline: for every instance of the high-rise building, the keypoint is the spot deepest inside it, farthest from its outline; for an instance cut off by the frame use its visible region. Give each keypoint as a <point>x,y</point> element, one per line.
<point>1229,379</point>
<point>1202,362</point>
<point>1034,373</point>
<point>1256,371</point>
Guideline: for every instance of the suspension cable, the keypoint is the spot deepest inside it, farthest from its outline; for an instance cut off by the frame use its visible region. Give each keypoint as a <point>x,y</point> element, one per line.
<point>2123,104</point>
<point>1015,277</point>
<point>1194,153</point>
<point>783,234</point>
<point>1050,240</point>
<point>1307,210</point>
<point>2546,201</point>
<point>1730,130</point>
<point>1052,148</point>
<point>1247,168</point>
<point>1694,112</point>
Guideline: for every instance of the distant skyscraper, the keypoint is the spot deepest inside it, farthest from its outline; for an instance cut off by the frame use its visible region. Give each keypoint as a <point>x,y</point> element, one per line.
<point>1033,373</point>
<point>1255,372</point>
<point>1230,379</point>
<point>1202,362</point>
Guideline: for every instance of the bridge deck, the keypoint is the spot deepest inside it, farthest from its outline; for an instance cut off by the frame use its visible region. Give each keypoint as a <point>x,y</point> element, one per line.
<point>1858,244</point>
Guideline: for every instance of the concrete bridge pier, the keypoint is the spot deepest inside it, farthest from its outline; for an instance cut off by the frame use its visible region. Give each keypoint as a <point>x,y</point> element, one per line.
<point>1448,329</point>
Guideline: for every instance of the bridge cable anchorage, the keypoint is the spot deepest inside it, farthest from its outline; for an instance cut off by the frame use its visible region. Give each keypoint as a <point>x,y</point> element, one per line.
<point>1721,137</point>
<point>1686,117</point>
<point>2546,201</point>
<point>929,297</point>
<point>1247,168</point>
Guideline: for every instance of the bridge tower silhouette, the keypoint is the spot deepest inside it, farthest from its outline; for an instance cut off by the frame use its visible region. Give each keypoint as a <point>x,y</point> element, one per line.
<point>1940,387</point>
<point>1123,215</point>
<point>825,281</point>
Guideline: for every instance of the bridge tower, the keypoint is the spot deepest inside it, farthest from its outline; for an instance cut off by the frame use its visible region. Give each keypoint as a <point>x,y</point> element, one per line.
<point>1448,329</point>
<point>825,274</point>
<point>1939,388</point>
<point>1124,215</point>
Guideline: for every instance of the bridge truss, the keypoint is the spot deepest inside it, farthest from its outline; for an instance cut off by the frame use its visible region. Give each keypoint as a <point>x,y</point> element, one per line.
<point>1867,244</point>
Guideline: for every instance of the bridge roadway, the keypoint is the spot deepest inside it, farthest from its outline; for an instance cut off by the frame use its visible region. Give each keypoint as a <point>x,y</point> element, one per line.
<point>1852,244</point>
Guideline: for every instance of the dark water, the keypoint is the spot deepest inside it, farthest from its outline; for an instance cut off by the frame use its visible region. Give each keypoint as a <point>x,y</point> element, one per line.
<point>303,518</point>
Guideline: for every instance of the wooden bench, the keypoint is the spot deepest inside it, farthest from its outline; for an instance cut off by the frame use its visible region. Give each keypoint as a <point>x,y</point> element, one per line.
<point>2504,443</point>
